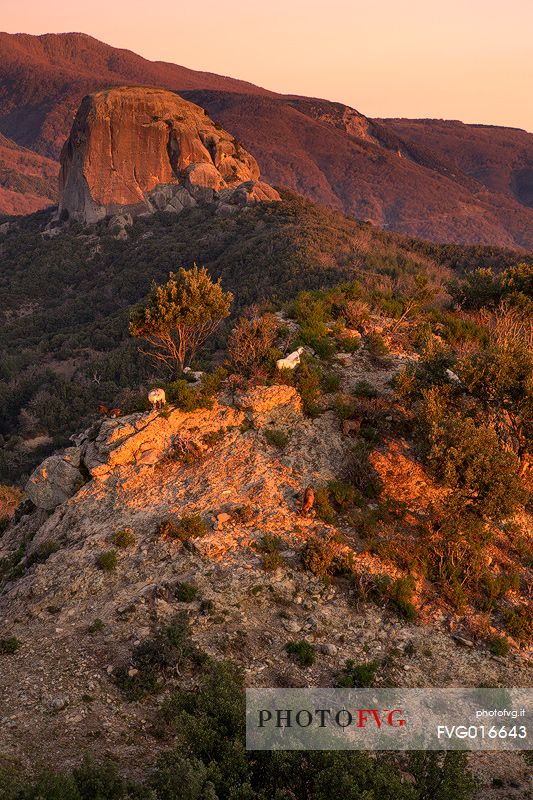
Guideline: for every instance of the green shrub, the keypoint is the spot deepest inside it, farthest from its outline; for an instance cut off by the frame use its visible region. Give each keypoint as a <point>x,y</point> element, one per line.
<point>401,595</point>
<point>309,388</point>
<point>360,472</point>
<point>9,645</point>
<point>323,507</point>
<point>494,587</point>
<point>42,552</point>
<point>302,652</point>
<point>270,546</point>
<point>499,646</point>
<point>251,341</point>
<point>243,514</point>
<point>469,459</point>
<point>189,527</point>
<point>192,527</point>
<point>107,561</point>
<point>342,494</point>
<point>364,389</point>
<point>276,438</point>
<point>151,659</point>
<point>96,626</point>
<point>330,382</point>
<point>124,538</point>
<point>186,592</point>
<point>519,623</point>
<point>376,345</point>
<point>355,676</point>
<point>319,556</point>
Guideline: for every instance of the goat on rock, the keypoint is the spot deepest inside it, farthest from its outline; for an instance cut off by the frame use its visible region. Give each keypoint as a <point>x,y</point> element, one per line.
<point>157,398</point>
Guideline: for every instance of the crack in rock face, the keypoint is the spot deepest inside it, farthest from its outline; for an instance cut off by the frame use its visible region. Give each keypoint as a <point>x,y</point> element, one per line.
<point>141,150</point>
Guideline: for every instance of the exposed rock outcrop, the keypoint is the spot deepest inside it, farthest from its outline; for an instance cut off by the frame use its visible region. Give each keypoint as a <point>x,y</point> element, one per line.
<point>141,150</point>
<point>56,479</point>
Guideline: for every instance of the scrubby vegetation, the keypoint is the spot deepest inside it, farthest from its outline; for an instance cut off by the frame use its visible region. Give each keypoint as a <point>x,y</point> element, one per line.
<point>190,526</point>
<point>207,758</point>
<point>65,344</point>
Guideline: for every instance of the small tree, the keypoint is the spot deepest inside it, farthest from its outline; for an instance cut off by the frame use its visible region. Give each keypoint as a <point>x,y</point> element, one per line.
<point>179,316</point>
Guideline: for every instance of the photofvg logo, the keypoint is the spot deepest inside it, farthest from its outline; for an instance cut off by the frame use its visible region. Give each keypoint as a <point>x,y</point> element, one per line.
<point>343,718</point>
<point>388,719</point>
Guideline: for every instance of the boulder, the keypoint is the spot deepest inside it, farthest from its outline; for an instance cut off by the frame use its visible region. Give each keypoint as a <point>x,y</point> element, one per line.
<point>262,399</point>
<point>56,479</point>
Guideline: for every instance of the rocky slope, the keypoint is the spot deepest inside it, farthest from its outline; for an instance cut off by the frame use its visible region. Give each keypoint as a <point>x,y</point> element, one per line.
<point>77,622</point>
<point>139,150</point>
<point>401,178</point>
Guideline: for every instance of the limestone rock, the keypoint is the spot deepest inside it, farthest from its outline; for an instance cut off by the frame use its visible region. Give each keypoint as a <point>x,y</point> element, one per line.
<point>134,150</point>
<point>143,440</point>
<point>262,399</point>
<point>56,479</point>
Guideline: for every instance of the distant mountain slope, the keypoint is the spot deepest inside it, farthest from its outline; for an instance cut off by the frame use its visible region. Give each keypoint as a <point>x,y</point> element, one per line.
<point>340,158</point>
<point>43,79</point>
<point>440,181</point>
<point>28,181</point>
<point>500,158</point>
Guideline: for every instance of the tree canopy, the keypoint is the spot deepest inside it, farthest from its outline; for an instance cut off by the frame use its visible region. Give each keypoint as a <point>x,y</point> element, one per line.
<point>179,316</point>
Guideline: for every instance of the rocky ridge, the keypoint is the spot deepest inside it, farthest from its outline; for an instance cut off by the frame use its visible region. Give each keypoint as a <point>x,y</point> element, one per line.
<point>140,150</point>
<point>77,623</point>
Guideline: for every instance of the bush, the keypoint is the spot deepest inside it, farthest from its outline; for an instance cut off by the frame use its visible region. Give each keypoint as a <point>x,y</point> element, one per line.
<point>376,345</point>
<point>186,592</point>
<point>107,561</point>
<point>323,507</point>
<point>356,313</point>
<point>401,595</point>
<point>250,342</point>
<point>361,474</point>
<point>189,527</point>
<point>302,652</point>
<point>96,626</point>
<point>9,646</point>
<point>499,646</point>
<point>124,538</point>
<point>319,556</point>
<point>519,624</point>
<point>469,459</point>
<point>276,438</point>
<point>152,658</point>
<point>357,676</point>
<point>42,552</point>
<point>192,527</point>
<point>189,397</point>
<point>270,546</point>
<point>243,514</point>
<point>308,384</point>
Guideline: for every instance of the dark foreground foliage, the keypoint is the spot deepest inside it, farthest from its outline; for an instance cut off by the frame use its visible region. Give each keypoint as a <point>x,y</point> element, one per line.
<point>208,761</point>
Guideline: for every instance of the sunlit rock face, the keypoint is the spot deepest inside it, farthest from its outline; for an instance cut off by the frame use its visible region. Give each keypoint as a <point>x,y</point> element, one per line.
<point>142,150</point>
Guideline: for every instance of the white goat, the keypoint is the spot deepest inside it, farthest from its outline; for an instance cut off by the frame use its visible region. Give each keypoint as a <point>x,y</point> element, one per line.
<point>291,361</point>
<point>157,398</point>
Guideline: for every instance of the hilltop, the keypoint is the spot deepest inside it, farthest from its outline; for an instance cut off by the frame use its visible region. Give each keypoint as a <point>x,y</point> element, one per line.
<point>65,299</point>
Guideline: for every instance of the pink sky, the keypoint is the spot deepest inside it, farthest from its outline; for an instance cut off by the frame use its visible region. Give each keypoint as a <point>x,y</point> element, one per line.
<point>456,59</point>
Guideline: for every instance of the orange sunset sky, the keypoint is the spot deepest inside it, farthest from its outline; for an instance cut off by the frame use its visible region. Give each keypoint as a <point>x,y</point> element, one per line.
<point>460,59</point>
